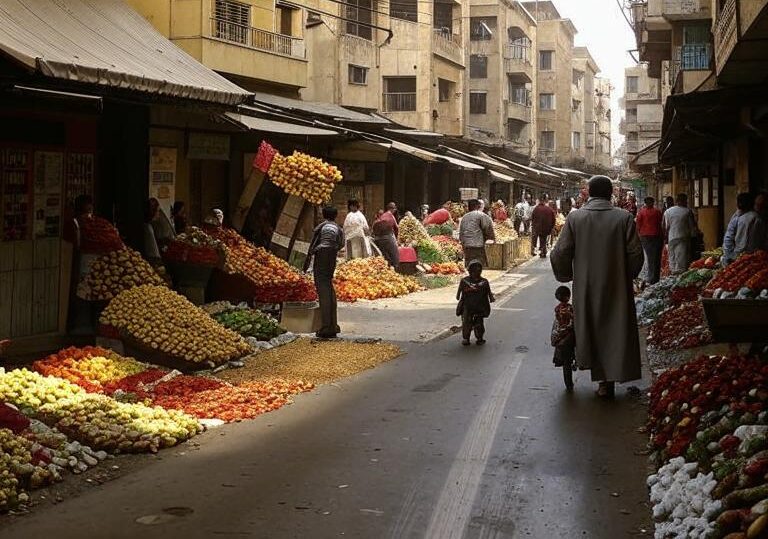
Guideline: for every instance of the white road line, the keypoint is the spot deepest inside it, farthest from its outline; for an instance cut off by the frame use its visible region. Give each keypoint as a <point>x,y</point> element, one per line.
<point>454,507</point>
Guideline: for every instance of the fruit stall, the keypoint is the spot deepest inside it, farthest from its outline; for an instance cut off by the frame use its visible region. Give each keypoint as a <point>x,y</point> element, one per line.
<point>708,414</point>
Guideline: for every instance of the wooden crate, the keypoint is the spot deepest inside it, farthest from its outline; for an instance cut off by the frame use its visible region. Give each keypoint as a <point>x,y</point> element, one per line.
<point>494,252</point>
<point>509,254</point>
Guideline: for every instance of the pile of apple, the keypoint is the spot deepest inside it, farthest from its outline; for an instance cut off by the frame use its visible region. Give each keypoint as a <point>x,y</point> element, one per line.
<point>90,367</point>
<point>272,279</point>
<point>371,278</point>
<point>305,176</point>
<point>195,247</point>
<point>115,271</point>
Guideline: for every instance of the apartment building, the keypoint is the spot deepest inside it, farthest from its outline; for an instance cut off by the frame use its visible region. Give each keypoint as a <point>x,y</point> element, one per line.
<point>554,80</point>
<point>258,45</point>
<point>502,67</point>
<point>583,119</point>
<point>603,151</point>
<point>642,108</point>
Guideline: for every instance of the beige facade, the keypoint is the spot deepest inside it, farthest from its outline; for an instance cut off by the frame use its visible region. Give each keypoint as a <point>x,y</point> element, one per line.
<point>256,43</point>
<point>642,109</point>
<point>501,69</point>
<point>583,117</point>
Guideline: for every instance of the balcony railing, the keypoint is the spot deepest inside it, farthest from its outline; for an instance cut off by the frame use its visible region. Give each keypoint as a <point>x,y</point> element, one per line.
<point>447,44</point>
<point>521,53</point>
<point>399,102</point>
<point>519,111</point>
<point>256,38</point>
<point>632,146</point>
<point>726,33</point>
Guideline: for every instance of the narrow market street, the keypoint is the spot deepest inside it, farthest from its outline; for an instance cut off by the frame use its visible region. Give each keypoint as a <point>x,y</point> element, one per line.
<point>444,442</point>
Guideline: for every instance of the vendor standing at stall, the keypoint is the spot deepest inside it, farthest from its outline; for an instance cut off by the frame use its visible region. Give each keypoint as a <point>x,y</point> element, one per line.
<point>356,232</point>
<point>179,216</point>
<point>385,236</point>
<point>327,241</point>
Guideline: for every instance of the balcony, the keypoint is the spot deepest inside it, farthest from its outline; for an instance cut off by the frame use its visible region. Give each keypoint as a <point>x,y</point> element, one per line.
<point>399,102</point>
<point>448,45</point>
<point>517,59</point>
<point>726,33</point>
<point>249,52</point>
<point>691,57</point>
<point>632,146</point>
<point>518,111</point>
<point>679,10</point>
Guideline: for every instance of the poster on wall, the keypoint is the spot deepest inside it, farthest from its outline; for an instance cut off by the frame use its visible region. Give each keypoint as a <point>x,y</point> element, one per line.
<point>162,176</point>
<point>48,183</point>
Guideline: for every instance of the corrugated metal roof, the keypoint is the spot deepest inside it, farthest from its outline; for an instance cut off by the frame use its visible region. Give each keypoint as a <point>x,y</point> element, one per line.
<point>323,109</point>
<point>105,42</point>
<point>426,155</point>
<point>414,133</point>
<point>283,128</point>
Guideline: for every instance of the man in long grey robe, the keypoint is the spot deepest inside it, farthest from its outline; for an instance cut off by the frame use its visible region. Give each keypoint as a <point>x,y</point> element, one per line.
<point>600,251</point>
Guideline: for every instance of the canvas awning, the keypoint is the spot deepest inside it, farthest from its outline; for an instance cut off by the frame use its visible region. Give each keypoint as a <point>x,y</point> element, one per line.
<point>328,110</point>
<point>502,177</point>
<point>280,128</point>
<point>415,133</point>
<point>106,43</point>
<point>426,155</point>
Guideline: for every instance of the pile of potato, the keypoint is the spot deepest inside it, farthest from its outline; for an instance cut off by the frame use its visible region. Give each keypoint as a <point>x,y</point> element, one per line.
<point>113,272</point>
<point>163,320</point>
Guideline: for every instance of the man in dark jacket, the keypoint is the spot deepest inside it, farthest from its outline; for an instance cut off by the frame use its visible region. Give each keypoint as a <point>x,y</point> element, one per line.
<point>542,223</point>
<point>327,240</point>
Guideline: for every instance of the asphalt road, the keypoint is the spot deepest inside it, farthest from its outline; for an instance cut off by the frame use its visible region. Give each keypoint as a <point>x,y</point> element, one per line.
<point>445,442</point>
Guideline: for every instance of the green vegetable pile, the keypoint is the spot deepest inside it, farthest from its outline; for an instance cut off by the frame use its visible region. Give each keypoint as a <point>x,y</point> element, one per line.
<point>429,252</point>
<point>446,229</point>
<point>250,323</point>
<point>694,277</point>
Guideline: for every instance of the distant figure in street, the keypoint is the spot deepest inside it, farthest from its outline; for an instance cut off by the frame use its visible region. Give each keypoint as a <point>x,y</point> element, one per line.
<point>631,204</point>
<point>475,298</point>
<point>327,241</point>
<point>652,237</point>
<point>384,232</point>
<point>599,250</point>
<point>750,229</point>
<point>520,210</point>
<point>356,232</point>
<point>680,229</point>
<point>179,216</point>
<point>474,230</point>
<point>669,202</point>
<point>743,203</point>
<point>563,335</point>
<point>542,223</point>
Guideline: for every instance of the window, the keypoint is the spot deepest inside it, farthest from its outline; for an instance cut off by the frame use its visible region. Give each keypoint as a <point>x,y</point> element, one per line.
<point>547,101</point>
<point>358,75</point>
<point>576,140</point>
<point>547,140</point>
<point>631,115</point>
<point>360,12</point>
<point>285,16</point>
<point>481,28</point>
<point>477,102</point>
<point>546,60</point>
<point>519,94</point>
<point>399,94</point>
<point>578,78</point>
<point>442,19</point>
<point>233,20</point>
<point>632,84</point>
<point>515,130</point>
<point>445,90</point>
<point>405,10</point>
<point>478,66</point>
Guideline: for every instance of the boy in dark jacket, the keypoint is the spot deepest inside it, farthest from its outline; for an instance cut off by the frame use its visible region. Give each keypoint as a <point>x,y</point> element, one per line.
<point>475,298</point>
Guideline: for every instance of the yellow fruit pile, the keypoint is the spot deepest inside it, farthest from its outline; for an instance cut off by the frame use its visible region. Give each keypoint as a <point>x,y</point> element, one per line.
<point>114,272</point>
<point>411,231</point>
<point>88,367</point>
<point>504,231</point>
<point>303,175</point>
<point>371,278</point>
<point>16,466</point>
<point>163,320</point>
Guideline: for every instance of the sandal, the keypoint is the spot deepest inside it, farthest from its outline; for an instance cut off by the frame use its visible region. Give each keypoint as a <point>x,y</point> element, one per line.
<point>606,390</point>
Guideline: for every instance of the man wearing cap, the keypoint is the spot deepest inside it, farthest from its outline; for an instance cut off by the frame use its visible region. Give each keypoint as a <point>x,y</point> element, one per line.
<point>600,251</point>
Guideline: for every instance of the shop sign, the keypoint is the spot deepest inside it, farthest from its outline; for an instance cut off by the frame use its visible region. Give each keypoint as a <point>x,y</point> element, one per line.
<point>208,146</point>
<point>264,157</point>
<point>162,176</point>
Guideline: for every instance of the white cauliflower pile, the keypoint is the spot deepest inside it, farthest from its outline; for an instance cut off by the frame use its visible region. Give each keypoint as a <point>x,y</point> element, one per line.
<point>682,503</point>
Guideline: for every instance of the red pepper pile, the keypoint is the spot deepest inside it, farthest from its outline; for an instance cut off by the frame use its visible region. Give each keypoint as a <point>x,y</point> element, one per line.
<point>685,294</point>
<point>98,236</point>
<point>680,327</point>
<point>683,395</point>
<point>740,271</point>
